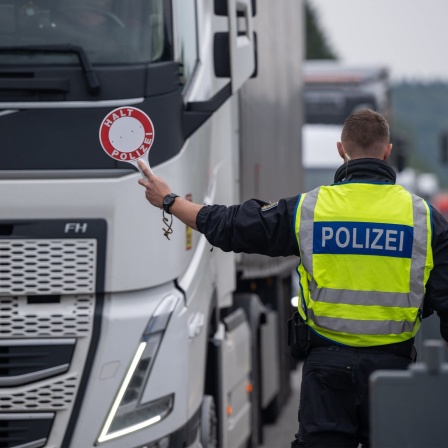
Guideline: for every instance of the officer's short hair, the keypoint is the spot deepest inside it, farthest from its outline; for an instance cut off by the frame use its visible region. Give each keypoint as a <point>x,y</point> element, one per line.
<point>365,130</point>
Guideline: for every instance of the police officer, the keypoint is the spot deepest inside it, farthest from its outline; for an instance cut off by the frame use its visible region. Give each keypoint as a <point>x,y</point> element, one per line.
<point>373,260</point>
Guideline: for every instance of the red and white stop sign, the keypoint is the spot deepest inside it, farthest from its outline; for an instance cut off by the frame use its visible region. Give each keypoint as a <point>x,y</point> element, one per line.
<point>126,134</point>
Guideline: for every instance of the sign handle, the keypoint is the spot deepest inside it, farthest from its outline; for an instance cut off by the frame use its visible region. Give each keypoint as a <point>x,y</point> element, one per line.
<point>145,161</point>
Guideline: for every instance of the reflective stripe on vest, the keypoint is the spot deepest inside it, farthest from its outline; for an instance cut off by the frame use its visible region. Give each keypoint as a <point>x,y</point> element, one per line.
<point>365,259</point>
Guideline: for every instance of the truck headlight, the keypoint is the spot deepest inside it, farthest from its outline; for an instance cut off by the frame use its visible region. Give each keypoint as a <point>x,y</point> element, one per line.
<point>128,414</point>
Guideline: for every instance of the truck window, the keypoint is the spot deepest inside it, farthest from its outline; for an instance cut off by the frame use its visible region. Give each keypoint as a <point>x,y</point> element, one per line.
<point>109,31</point>
<point>186,38</point>
<point>334,90</point>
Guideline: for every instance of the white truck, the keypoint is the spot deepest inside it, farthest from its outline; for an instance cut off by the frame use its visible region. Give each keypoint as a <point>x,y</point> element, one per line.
<point>333,90</point>
<point>111,335</point>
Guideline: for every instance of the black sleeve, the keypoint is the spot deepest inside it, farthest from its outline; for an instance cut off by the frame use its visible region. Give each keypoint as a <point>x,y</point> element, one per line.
<point>437,286</point>
<point>252,227</point>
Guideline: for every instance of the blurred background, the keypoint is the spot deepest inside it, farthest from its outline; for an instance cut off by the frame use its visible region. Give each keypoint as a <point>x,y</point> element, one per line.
<point>407,40</point>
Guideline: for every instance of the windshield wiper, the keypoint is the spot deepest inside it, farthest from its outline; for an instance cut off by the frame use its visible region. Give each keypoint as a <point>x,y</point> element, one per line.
<point>90,74</point>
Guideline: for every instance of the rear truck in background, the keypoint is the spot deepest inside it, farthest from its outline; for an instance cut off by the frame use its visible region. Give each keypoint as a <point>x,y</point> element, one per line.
<point>111,335</point>
<point>333,90</point>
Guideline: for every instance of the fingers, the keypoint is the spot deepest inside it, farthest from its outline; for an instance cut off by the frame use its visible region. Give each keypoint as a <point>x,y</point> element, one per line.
<point>144,169</point>
<point>156,188</point>
<point>147,173</point>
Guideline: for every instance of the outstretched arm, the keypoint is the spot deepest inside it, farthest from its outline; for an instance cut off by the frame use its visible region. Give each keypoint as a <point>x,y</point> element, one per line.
<point>252,227</point>
<point>157,189</point>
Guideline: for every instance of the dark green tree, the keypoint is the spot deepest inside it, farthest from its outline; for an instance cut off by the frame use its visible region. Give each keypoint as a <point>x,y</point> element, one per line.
<point>317,46</point>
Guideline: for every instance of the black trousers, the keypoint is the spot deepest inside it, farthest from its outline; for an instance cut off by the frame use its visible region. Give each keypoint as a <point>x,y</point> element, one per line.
<point>334,399</point>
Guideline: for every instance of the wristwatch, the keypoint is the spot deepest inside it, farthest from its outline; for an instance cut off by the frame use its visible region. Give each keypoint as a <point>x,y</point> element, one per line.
<point>168,201</point>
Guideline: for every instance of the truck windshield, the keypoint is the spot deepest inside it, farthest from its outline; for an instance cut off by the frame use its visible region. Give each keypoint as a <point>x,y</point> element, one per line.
<point>108,31</point>
<point>332,106</point>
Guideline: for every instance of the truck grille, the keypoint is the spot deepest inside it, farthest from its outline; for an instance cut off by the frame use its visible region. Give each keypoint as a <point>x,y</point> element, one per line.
<point>26,430</point>
<point>51,297</point>
<point>47,311</point>
<point>51,395</point>
<point>24,361</point>
<point>69,316</point>
<point>34,266</point>
<point>65,316</point>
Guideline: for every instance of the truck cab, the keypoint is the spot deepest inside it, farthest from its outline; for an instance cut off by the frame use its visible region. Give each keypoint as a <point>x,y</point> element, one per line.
<point>112,334</point>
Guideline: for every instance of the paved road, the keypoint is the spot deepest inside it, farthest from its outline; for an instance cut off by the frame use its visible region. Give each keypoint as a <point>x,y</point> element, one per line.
<point>280,434</point>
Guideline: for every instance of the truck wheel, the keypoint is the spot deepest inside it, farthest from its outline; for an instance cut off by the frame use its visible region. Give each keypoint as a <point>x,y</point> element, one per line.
<point>209,423</point>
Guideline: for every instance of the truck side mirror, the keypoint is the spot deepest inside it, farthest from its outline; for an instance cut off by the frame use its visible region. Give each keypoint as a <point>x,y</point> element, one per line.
<point>221,8</point>
<point>234,57</point>
<point>234,52</point>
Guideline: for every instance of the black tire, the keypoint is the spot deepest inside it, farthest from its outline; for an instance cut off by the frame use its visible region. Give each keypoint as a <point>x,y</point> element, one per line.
<point>272,411</point>
<point>209,423</point>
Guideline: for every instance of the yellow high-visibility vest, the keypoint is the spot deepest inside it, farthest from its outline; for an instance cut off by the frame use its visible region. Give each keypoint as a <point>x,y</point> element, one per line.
<point>365,258</point>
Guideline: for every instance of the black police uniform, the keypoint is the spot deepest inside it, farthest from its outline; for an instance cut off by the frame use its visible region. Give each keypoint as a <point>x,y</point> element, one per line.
<point>334,400</point>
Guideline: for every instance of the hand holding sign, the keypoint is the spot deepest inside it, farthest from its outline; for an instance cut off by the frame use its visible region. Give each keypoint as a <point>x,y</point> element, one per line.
<point>156,187</point>
<point>156,191</point>
<point>127,134</point>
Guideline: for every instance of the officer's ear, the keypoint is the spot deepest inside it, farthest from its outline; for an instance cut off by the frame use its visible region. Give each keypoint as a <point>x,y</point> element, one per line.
<point>388,151</point>
<point>341,151</point>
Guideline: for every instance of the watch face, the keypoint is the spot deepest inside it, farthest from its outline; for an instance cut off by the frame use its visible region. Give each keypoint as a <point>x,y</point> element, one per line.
<point>168,201</point>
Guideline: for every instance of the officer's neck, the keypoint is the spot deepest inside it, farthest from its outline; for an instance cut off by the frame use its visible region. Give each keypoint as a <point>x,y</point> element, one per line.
<point>365,170</point>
